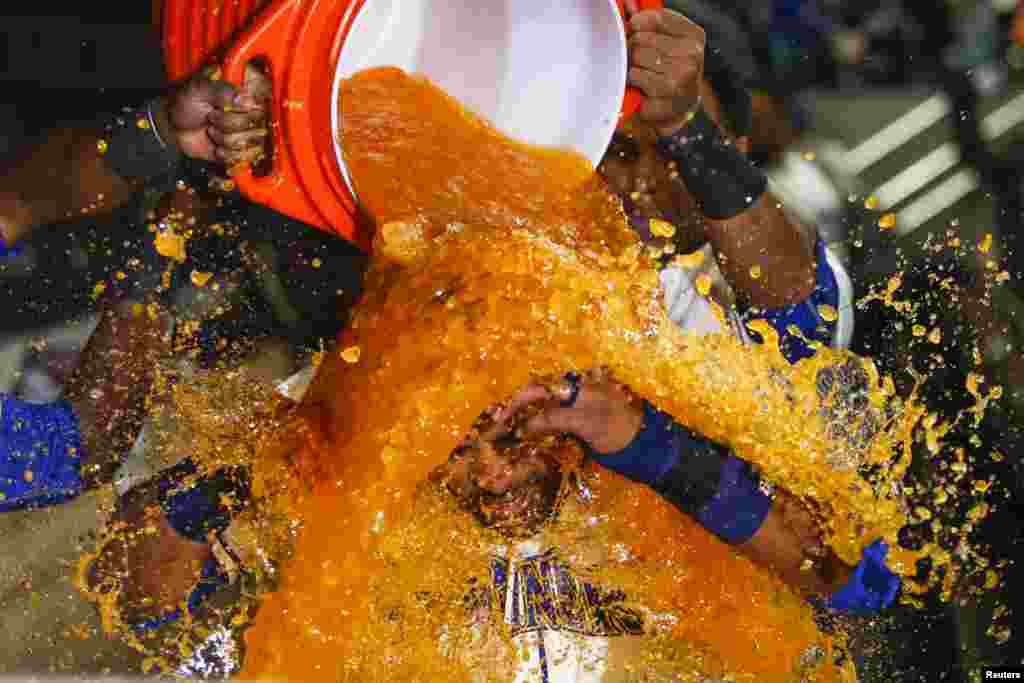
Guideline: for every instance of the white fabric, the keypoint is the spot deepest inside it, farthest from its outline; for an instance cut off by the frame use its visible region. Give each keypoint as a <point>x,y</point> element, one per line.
<point>294,388</point>
<point>694,314</point>
<point>566,656</point>
<point>844,324</point>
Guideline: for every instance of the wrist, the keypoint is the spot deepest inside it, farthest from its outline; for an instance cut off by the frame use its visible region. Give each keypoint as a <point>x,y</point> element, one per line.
<point>722,180</point>
<point>624,430</point>
<point>869,587</point>
<point>832,573</point>
<point>649,453</point>
<point>141,144</point>
<point>160,120</point>
<point>677,124</point>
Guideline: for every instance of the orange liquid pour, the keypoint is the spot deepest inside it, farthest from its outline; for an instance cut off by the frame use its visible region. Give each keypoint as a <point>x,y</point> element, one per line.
<point>495,263</point>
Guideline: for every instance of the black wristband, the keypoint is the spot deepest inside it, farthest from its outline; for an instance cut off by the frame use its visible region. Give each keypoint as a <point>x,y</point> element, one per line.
<point>133,148</point>
<point>694,479</point>
<point>720,177</point>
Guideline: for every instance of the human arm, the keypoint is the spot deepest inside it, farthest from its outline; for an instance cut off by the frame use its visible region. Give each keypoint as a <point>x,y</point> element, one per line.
<point>108,388</point>
<point>704,480</point>
<point>90,167</point>
<point>188,523</point>
<point>49,453</point>
<point>762,253</point>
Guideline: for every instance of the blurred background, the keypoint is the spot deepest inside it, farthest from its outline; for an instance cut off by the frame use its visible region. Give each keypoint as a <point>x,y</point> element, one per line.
<point>898,127</point>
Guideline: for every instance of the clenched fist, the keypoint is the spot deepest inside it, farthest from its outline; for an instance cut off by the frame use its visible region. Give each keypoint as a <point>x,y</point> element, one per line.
<point>666,62</point>
<point>212,120</point>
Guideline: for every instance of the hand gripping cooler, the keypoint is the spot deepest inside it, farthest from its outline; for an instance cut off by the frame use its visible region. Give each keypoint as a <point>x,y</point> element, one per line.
<point>549,72</point>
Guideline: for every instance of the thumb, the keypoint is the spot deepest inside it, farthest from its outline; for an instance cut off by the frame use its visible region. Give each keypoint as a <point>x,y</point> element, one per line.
<point>531,393</point>
<point>200,98</point>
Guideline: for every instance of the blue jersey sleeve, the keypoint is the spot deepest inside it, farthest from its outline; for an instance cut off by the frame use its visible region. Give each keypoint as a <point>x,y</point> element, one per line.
<point>805,316</point>
<point>40,454</point>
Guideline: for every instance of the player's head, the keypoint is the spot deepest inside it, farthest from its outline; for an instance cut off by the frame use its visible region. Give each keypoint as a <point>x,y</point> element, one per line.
<point>513,489</point>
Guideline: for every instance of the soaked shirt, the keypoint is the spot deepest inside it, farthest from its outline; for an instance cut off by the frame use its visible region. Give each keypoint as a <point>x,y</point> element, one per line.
<point>693,312</point>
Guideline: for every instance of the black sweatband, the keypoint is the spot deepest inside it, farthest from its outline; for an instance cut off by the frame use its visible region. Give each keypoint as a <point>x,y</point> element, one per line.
<point>720,177</point>
<point>694,479</point>
<point>133,149</point>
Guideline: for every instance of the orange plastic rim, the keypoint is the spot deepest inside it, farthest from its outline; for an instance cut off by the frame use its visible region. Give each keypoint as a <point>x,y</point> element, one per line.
<point>300,41</point>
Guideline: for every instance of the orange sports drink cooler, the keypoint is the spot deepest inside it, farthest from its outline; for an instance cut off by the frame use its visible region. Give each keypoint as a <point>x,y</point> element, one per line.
<point>569,94</point>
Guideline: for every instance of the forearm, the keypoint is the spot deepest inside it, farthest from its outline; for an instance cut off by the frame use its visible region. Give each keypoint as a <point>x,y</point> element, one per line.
<point>85,168</point>
<point>62,176</point>
<point>776,532</point>
<point>792,550</point>
<point>762,253</point>
<point>720,492</point>
<point>694,474</point>
<point>108,389</point>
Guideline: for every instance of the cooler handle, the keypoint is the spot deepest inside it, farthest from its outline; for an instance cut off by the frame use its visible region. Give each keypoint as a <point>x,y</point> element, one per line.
<point>270,39</point>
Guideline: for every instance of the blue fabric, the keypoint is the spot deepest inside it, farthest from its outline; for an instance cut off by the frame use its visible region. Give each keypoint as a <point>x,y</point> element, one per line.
<point>40,454</point>
<point>6,251</point>
<point>207,504</point>
<point>654,449</point>
<point>212,579</point>
<point>871,587</point>
<point>194,511</point>
<point>805,315</point>
<point>738,509</point>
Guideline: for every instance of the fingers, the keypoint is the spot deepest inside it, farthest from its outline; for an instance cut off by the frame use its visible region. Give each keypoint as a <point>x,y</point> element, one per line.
<point>653,84</point>
<point>222,95</point>
<point>255,92</point>
<point>666,62</point>
<point>258,85</point>
<point>531,393</point>
<point>679,60</point>
<point>665,46</point>
<point>199,98</point>
<point>237,136</point>
<point>231,159</point>
<point>554,420</point>
<point>233,148</point>
<point>236,121</point>
<point>209,111</point>
<point>665,22</point>
<point>239,141</point>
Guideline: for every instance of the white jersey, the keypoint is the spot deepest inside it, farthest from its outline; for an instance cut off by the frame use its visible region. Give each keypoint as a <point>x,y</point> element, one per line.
<point>568,649</point>
<point>693,312</point>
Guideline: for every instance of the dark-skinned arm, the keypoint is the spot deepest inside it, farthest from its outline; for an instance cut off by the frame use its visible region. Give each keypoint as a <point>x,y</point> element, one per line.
<point>631,437</point>
<point>55,179</point>
<point>764,240</point>
<point>762,253</point>
<point>100,165</point>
